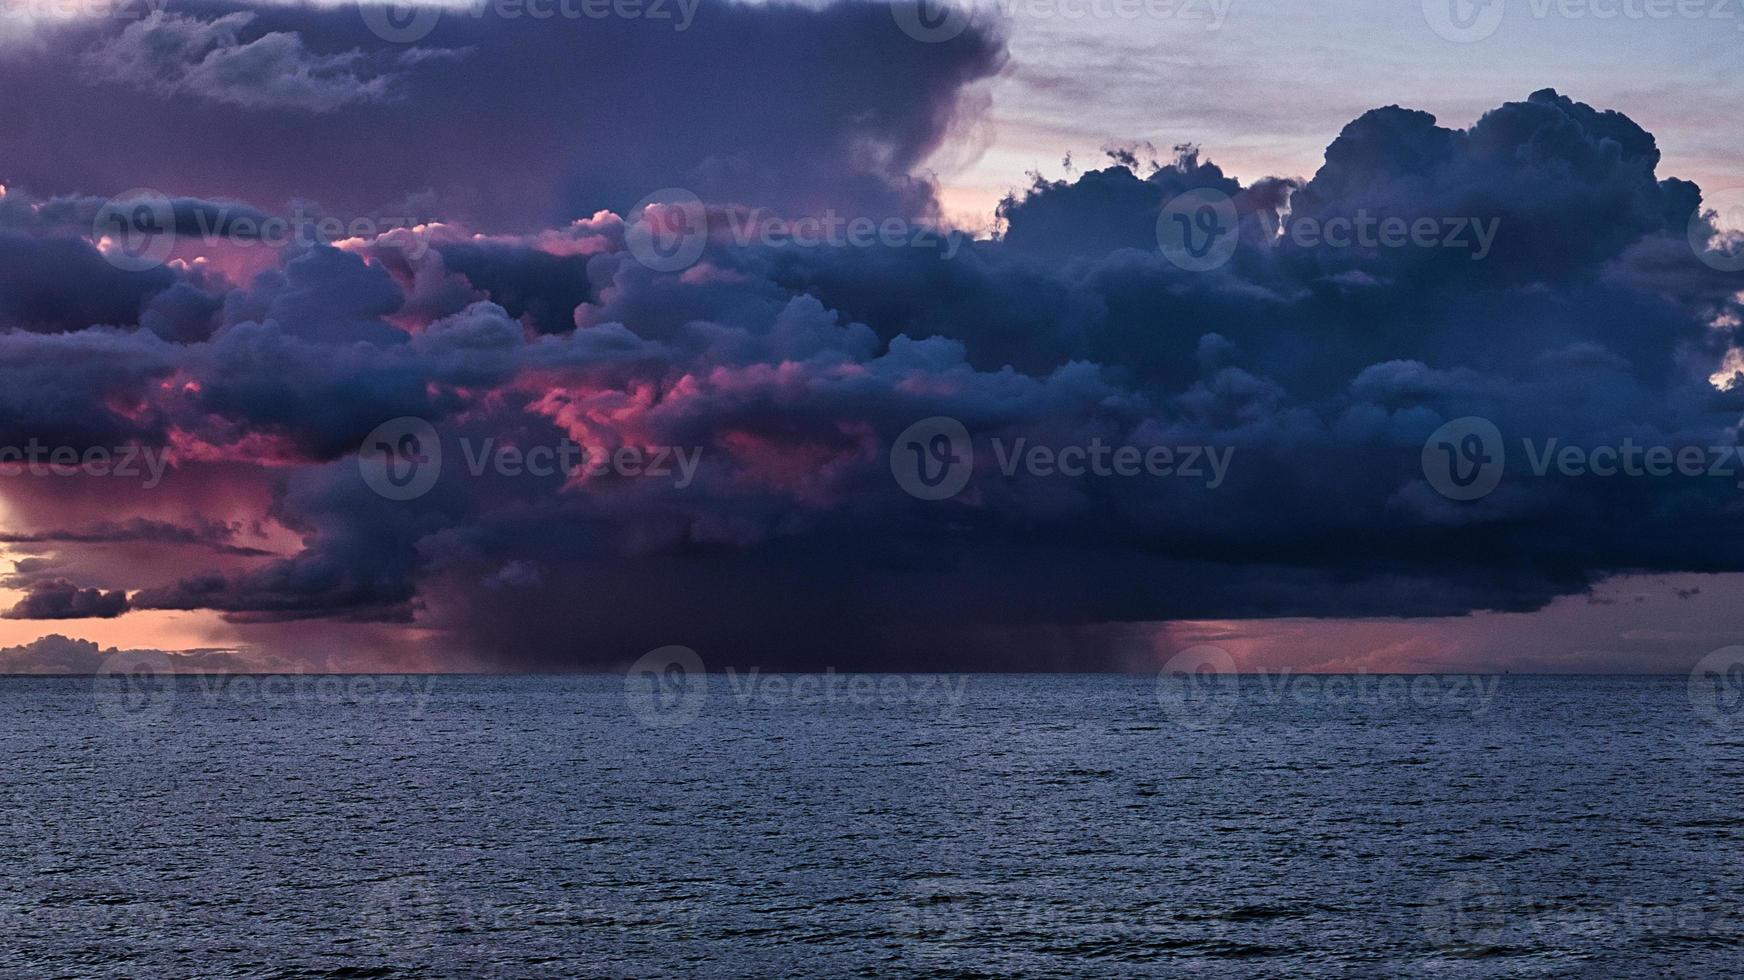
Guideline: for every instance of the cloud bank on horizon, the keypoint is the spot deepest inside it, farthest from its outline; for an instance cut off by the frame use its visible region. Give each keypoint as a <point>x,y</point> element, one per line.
<point>490,271</point>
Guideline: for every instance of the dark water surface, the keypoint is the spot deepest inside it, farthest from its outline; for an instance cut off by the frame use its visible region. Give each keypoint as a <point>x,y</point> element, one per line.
<point>1004,825</point>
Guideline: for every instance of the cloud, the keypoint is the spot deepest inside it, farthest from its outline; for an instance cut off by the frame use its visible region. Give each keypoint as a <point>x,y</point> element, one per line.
<point>57,654</point>
<point>1317,369</point>
<point>568,115</point>
<point>206,534</point>
<point>61,599</point>
<point>170,55</point>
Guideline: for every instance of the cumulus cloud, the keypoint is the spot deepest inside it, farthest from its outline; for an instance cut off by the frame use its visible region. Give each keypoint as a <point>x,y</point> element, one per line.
<point>567,115</point>
<point>1317,369</point>
<point>61,599</point>
<point>57,654</point>
<point>170,54</point>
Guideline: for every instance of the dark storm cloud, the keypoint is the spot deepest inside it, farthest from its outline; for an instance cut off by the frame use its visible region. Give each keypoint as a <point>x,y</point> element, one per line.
<point>61,599</point>
<point>1105,210</point>
<point>53,279</point>
<point>792,370</point>
<point>321,367</point>
<point>360,563</point>
<point>65,284</point>
<point>74,388</point>
<point>776,105</point>
<point>540,287</point>
<point>1327,389</point>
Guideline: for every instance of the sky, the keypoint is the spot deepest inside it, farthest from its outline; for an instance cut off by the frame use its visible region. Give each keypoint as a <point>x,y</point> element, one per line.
<point>1261,85</point>
<point>487,341</point>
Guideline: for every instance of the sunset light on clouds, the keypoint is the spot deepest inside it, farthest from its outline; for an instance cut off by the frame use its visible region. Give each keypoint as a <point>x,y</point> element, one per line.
<point>621,411</point>
<point>876,488</point>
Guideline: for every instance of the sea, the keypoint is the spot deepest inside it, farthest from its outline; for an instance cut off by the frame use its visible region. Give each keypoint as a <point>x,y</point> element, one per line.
<point>832,825</point>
